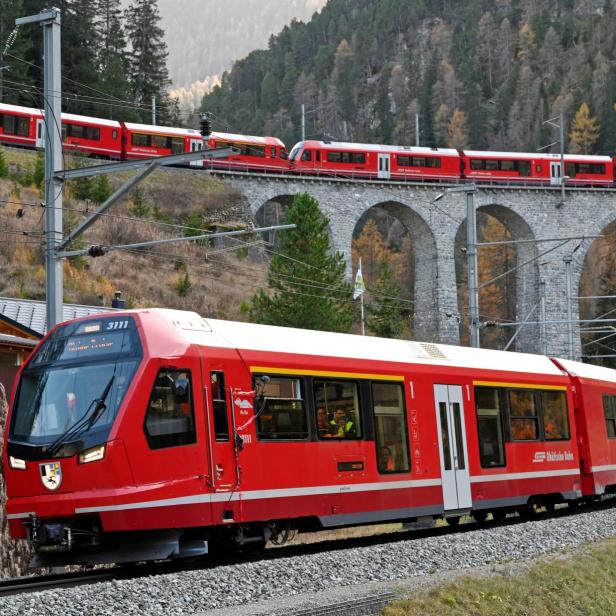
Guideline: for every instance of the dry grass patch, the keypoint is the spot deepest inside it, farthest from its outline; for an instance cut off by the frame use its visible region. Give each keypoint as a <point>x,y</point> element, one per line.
<point>579,583</point>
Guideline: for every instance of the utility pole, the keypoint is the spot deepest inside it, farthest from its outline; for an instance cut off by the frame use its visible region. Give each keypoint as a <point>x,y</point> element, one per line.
<point>562,157</point>
<point>153,110</point>
<point>303,122</point>
<point>54,283</point>
<point>544,335</point>
<point>417,129</point>
<point>568,259</point>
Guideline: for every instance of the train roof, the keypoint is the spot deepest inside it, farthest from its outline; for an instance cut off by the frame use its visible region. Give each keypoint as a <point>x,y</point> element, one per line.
<point>537,156</point>
<point>163,130</point>
<point>248,139</point>
<point>372,147</point>
<point>588,371</point>
<point>65,116</point>
<point>250,336</point>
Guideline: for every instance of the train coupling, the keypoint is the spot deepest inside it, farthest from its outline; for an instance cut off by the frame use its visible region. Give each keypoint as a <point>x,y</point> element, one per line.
<point>47,537</point>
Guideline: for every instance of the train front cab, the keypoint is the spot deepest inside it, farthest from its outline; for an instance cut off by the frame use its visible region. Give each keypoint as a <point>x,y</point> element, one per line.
<point>595,416</point>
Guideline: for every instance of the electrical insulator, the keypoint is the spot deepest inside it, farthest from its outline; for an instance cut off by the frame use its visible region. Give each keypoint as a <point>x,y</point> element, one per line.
<point>205,122</point>
<point>96,251</point>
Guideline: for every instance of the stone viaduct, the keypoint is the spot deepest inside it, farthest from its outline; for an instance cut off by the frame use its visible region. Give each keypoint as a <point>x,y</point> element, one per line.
<point>533,213</point>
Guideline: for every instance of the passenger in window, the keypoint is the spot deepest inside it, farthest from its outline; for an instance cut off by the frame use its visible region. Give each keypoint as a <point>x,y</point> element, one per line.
<point>342,425</point>
<point>386,460</point>
<point>324,427</point>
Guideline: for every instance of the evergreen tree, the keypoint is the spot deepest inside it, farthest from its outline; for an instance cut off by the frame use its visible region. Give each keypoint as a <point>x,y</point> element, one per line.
<point>112,61</point>
<point>79,61</point>
<point>386,315</point>
<point>306,282</point>
<point>584,131</point>
<point>149,76</point>
<point>15,76</point>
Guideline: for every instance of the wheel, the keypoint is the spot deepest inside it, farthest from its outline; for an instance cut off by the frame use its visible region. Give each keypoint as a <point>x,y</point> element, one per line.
<point>499,515</point>
<point>550,507</point>
<point>480,516</point>
<point>453,520</point>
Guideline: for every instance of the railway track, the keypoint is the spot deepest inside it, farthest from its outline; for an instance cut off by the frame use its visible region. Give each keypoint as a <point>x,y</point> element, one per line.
<point>37,583</point>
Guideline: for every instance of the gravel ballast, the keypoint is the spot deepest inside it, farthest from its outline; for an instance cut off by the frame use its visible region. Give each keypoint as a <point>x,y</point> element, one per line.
<point>200,591</point>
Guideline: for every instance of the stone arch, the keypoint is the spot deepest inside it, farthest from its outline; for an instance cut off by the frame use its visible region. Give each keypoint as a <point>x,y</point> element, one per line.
<point>595,272</point>
<point>271,213</point>
<point>399,220</point>
<point>505,302</point>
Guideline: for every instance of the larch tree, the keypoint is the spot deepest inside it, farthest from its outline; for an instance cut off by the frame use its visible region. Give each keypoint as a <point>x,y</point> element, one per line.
<point>584,131</point>
<point>147,58</point>
<point>457,130</point>
<point>307,286</point>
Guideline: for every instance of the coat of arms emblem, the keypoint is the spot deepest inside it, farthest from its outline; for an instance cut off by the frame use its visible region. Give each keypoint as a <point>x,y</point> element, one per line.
<point>51,475</point>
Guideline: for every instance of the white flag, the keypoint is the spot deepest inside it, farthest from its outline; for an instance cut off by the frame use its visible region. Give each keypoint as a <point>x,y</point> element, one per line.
<point>360,287</point>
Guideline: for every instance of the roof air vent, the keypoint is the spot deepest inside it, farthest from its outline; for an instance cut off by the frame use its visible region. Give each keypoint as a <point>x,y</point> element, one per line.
<point>432,350</point>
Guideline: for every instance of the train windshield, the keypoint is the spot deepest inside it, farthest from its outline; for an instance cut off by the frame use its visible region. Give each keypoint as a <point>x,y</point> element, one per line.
<point>297,148</point>
<point>81,372</point>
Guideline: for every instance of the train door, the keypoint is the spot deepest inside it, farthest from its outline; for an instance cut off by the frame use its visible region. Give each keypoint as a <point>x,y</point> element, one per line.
<point>555,174</point>
<point>40,133</point>
<point>452,447</point>
<point>220,424</point>
<point>384,166</point>
<point>196,145</point>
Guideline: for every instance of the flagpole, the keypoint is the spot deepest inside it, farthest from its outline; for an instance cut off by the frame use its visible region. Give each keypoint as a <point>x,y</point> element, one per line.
<point>358,291</point>
<point>363,328</point>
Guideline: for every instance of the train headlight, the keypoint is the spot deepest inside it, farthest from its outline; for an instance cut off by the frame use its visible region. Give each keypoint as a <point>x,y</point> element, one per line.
<point>17,463</point>
<point>92,455</point>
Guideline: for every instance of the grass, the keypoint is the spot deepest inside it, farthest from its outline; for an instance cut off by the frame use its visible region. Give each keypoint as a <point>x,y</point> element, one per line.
<point>221,283</point>
<point>576,583</point>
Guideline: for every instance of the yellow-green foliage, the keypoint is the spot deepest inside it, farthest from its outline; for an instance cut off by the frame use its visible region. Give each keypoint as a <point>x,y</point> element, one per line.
<point>580,584</point>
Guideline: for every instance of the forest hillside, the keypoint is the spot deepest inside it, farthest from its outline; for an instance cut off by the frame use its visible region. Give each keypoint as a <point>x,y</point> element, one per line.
<point>481,74</point>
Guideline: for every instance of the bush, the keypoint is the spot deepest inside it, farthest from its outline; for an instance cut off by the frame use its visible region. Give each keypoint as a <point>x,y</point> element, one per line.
<point>4,169</point>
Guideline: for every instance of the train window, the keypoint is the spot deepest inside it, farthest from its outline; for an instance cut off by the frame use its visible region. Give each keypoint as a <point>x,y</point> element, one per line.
<point>307,155</point>
<point>358,158</point>
<point>140,139</point>
<point>272,152</point>
<point>524,168</point>
<point>418,161</point>
<point>337,404</point>
<point>75,130</point>
<point>334,157</point>
<point>609,409</point>
<point>170,418</point>
<point>392,452</point>
<point>160,141</point>
<point>403,160</point>
<point>23,127</point>
<point>93,133</point>
<point>114,134</point>
<point>588,168</point>
<point>251,150</point>
<point>570,169</point>
<point>434,163</point>
<point>523,415</point>
<point>219,401</point>
<point>284,415</point>
<point>317,155</point>
<point>507,165</point>
<point>283,154</point>
<point>8,124</point>
<point>491,165</point>
<point>555,415</point>
<point>177,145</point>
<point>64,132</point>
<point>489,427</point>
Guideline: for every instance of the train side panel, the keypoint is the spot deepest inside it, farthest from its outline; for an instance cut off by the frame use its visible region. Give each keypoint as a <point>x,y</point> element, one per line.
<point>595,389</point>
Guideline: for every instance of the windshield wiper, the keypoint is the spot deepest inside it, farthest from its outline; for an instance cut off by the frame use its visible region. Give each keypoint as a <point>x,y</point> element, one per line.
<point>83,424</point>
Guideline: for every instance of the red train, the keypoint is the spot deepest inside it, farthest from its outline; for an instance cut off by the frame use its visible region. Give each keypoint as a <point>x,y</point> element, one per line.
<point>153,434</point>
<point>25,127</point>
